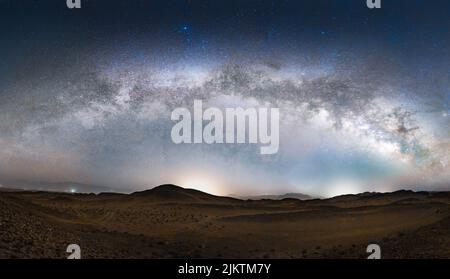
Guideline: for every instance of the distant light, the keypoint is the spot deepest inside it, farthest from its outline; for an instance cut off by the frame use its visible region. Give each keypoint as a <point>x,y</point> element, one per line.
<point>73,190</point>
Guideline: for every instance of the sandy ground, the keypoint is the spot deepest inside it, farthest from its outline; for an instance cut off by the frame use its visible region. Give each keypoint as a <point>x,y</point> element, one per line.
<point>172,222</point>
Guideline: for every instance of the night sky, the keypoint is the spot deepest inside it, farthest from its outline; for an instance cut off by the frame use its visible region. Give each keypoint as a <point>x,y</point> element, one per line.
<point>364,95</point>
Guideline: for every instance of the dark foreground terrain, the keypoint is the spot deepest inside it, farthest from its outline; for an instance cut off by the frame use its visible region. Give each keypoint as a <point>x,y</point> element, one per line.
<point>172,222</point>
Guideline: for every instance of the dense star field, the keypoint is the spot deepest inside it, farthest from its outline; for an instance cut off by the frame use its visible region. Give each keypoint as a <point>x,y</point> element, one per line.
<point>364,95</point>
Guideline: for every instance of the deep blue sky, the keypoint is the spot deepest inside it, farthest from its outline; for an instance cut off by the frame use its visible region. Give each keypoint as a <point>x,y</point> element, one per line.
<point>86,94</point>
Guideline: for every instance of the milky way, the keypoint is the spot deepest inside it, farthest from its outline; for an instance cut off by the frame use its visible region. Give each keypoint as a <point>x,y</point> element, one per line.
<point>364,95</point>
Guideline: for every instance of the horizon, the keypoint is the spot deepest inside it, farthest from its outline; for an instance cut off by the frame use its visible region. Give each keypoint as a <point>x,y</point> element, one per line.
<point>257,196</point>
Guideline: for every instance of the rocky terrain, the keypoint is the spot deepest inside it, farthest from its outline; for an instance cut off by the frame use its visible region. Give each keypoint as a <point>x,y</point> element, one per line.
<point>173,222</point>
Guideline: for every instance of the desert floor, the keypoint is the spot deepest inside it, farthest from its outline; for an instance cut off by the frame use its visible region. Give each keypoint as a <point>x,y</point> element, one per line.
<point>172,222</point>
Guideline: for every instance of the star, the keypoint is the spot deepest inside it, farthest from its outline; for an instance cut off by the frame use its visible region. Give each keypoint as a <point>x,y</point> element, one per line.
<point>185,28</point>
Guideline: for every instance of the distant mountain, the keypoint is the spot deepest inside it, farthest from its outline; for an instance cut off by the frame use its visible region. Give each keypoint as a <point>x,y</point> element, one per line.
<point>174,193</point>
<point>69,187</point>
<point>297,196</point>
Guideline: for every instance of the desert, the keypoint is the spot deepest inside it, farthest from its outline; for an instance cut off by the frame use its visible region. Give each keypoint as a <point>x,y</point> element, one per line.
<point>173,222</point>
